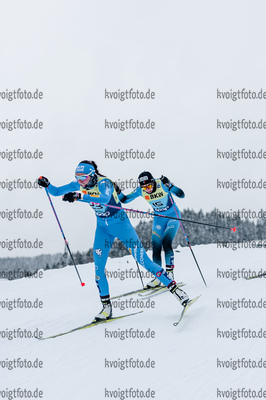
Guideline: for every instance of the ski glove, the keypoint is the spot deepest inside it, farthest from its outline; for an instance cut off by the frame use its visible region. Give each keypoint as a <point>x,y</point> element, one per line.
<point>117,189</point>
<point>166,181</point>
<point>71,197</point>
<point>44,182</point>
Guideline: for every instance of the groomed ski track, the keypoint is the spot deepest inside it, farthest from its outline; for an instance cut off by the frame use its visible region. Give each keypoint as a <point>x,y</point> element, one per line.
<point>75,366</point>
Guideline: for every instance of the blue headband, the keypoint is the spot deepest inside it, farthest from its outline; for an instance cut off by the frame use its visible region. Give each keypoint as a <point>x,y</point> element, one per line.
<point>86,169</point>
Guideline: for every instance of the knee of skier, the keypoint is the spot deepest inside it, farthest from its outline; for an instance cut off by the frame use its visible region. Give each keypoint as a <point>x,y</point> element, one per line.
<point>167,244</point>
<point>156,257</point>
<point>156,244</point>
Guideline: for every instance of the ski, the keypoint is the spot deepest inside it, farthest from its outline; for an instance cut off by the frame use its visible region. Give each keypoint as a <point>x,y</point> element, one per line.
<point>129,293</point>
<point>143,290</point>
<point>185,309</point>
<point>90,325</point>
<point>257,276</point>
<point>158,290</point>
<point>153,292</point>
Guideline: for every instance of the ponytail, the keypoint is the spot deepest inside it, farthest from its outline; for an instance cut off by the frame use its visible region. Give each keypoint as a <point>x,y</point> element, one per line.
<point>93,163</point>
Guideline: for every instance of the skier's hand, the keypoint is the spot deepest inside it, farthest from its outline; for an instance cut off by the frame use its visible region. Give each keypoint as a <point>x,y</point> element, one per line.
<point>44,182</point>
<point>71,197</point>
<point>166,181</point>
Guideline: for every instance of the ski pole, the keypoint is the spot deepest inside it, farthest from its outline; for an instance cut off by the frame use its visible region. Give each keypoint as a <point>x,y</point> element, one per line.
<point>82,283</point>
<point>188,242</point>
<point>140,275</point>
<point>193,253</point>
<point>166,216</point>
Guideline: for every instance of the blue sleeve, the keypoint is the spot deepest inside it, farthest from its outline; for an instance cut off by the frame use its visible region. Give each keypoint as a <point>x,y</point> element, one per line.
<point>131,196</point>
<point>106,189</point>
<point>59,191</point>
<point>174,190</point>
<point>178,192</point>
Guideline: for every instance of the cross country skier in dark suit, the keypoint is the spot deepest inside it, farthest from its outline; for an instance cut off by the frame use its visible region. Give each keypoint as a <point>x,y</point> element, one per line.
<point>157,192</point>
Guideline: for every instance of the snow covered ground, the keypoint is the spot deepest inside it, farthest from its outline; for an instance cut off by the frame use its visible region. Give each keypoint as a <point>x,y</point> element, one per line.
<point>190,361</point>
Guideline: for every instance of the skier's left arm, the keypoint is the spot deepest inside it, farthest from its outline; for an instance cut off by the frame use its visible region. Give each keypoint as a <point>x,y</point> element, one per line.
<point>172,188</point>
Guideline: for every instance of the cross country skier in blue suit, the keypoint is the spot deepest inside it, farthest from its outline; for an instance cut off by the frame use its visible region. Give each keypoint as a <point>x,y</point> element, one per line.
<point>157,192</point>
<point>99,191</point>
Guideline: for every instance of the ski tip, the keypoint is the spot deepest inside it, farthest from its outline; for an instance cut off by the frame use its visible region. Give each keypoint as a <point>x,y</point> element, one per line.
<point>196,298</point>
<point>192,301</point>
<point>186,306</point>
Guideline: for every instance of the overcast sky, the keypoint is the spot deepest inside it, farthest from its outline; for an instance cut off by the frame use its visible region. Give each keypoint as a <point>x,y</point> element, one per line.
<point>183,51</point>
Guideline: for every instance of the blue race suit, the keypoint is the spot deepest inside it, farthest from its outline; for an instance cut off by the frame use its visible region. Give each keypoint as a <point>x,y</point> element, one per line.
<point>163,229</point>
<point>111,223</point>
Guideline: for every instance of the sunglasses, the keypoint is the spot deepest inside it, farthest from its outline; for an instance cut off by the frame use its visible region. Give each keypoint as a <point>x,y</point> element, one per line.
<point>82,177</point>
<point>148,186</point>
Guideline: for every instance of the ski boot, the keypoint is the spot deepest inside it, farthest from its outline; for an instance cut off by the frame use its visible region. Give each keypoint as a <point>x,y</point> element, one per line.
<point>154,283</point>
<point>106,312</point>
<point>170,271</point>
<point>181,296</point>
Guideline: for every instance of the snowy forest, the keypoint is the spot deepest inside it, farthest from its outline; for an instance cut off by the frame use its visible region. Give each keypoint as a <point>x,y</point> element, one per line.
<point>246,230</point>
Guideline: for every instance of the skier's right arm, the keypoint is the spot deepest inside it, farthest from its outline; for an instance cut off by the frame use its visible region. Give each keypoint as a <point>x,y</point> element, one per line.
<point>58,191</point>
<point>131,196</point>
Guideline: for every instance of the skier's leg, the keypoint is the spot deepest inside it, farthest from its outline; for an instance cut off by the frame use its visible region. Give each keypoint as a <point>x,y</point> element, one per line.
<point>102,245</point>
<point>156,240</point>
<point>168,237</point>
<point>127,234</point>
<point>158,227</point>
